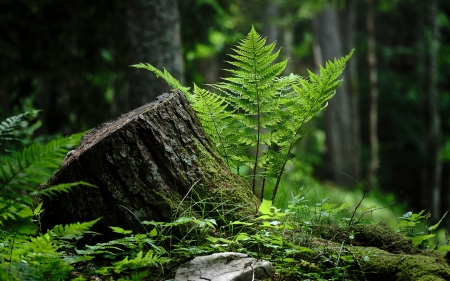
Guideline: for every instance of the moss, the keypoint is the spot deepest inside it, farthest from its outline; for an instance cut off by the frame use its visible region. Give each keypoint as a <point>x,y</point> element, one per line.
<point>414,267</point>
<point>171,199</point>
<point>383,254</point>
<point>223,184</point>
<point>382,236</point>
<point>379,235</point>
<point>382,265</point>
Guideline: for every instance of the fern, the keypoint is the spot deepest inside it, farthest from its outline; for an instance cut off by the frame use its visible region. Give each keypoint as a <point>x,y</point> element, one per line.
<point>174,83</point>
<point>309,97</point>
<point>216,120</point>
<point>64,187</point>
<point>254,90</point>
<point>141,260</point>
<point>74,230</point>
<point>42,257</point>
<point>13,126</point>
<point>32,166</point>
<point>258,110</point>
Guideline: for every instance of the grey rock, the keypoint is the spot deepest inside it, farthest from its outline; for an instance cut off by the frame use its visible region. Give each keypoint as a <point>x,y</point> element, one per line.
<point>226,266</point>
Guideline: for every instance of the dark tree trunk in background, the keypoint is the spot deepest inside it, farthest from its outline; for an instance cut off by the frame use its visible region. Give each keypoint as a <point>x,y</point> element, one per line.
<point>342,156</point>
<point>317,51</point>
<point>428,45</point>
<point>288,47</point>
<point>154,37</point>
<point>373,82</point>
<point>434,122</point>
<point>270,14</point>
<point>347,28</point>
<point>421,57</point>
<point>209,69</point>
<point>58,87</point>
<point>144,164</point>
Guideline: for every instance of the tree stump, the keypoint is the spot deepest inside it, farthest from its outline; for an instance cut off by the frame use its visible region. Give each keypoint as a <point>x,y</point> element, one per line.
<point>148,164</point>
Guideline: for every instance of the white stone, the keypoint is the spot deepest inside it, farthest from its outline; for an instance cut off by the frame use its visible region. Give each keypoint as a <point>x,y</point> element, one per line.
<point>224,267</point>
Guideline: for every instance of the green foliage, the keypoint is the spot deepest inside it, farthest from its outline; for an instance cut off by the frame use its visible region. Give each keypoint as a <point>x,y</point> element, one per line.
<point>64,187</point>
<point>258,110</point>
<point>25,170</point>
<point>410,224</point>
<point>27,255</point>
<point>74,230</point>
<point>217,122</point>
<point>17,126</point>
<point>284,238</point>
<point>174,83</point>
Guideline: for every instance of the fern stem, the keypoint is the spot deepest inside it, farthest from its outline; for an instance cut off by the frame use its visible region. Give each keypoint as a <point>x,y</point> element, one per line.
<point>275,189</point>
<point>221,141</point>
<point>259,122</point>
<point>280,174</point>
<point>263,185</point>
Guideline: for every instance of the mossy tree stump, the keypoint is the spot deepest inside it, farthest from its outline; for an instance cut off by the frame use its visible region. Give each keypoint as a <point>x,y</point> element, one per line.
<point>144,164</point>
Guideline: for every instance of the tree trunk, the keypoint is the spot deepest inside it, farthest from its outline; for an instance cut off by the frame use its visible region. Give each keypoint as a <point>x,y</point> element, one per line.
<point>338,124</point>
<point>348,27</point>
<point>373,82</point>
<point>149,164</point>
<point>434,119</point>
<point>154,37</point>
<point>431,190</point>
<point>288,47</point>
<point>270,14</point>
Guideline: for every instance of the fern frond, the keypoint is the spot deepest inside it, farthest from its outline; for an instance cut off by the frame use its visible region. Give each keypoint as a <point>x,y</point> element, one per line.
<point>217,121</point>
<point>141,260</point>
<point>29,257</point>
<point>32,166</point>
<point>74,230</point>
<point>14,124</point>
<point>255,88</point>
<point>311,97</point>
<point>174,83</point>
<point>64,187</point>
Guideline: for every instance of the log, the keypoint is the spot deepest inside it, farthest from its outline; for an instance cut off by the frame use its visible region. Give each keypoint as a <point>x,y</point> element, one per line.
<point>148,165</point>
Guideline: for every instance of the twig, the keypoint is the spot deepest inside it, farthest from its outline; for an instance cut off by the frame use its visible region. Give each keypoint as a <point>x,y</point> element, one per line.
<point>371,210</point>
<point>366,191</point>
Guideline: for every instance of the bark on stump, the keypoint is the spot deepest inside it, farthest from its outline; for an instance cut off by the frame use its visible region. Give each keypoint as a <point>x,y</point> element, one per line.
<point>144,164</point>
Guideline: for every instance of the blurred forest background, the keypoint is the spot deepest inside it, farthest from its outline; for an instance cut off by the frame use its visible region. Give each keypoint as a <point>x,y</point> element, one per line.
<point>389,121</point>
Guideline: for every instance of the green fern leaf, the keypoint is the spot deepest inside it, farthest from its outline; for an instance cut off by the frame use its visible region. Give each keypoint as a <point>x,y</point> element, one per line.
<point>64,187</point>
<point>14,126</point>
<point>254,91</point>
<point>310,97</point>
<point>174,83</point>
<point>74,230</point>
<point>216,119</point>
<point>32,166</point>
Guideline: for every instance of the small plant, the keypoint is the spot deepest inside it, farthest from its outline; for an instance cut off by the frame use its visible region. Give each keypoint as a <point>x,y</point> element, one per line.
<point>18,129</point>
<point>420,237</point>
<point>258,110</point>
